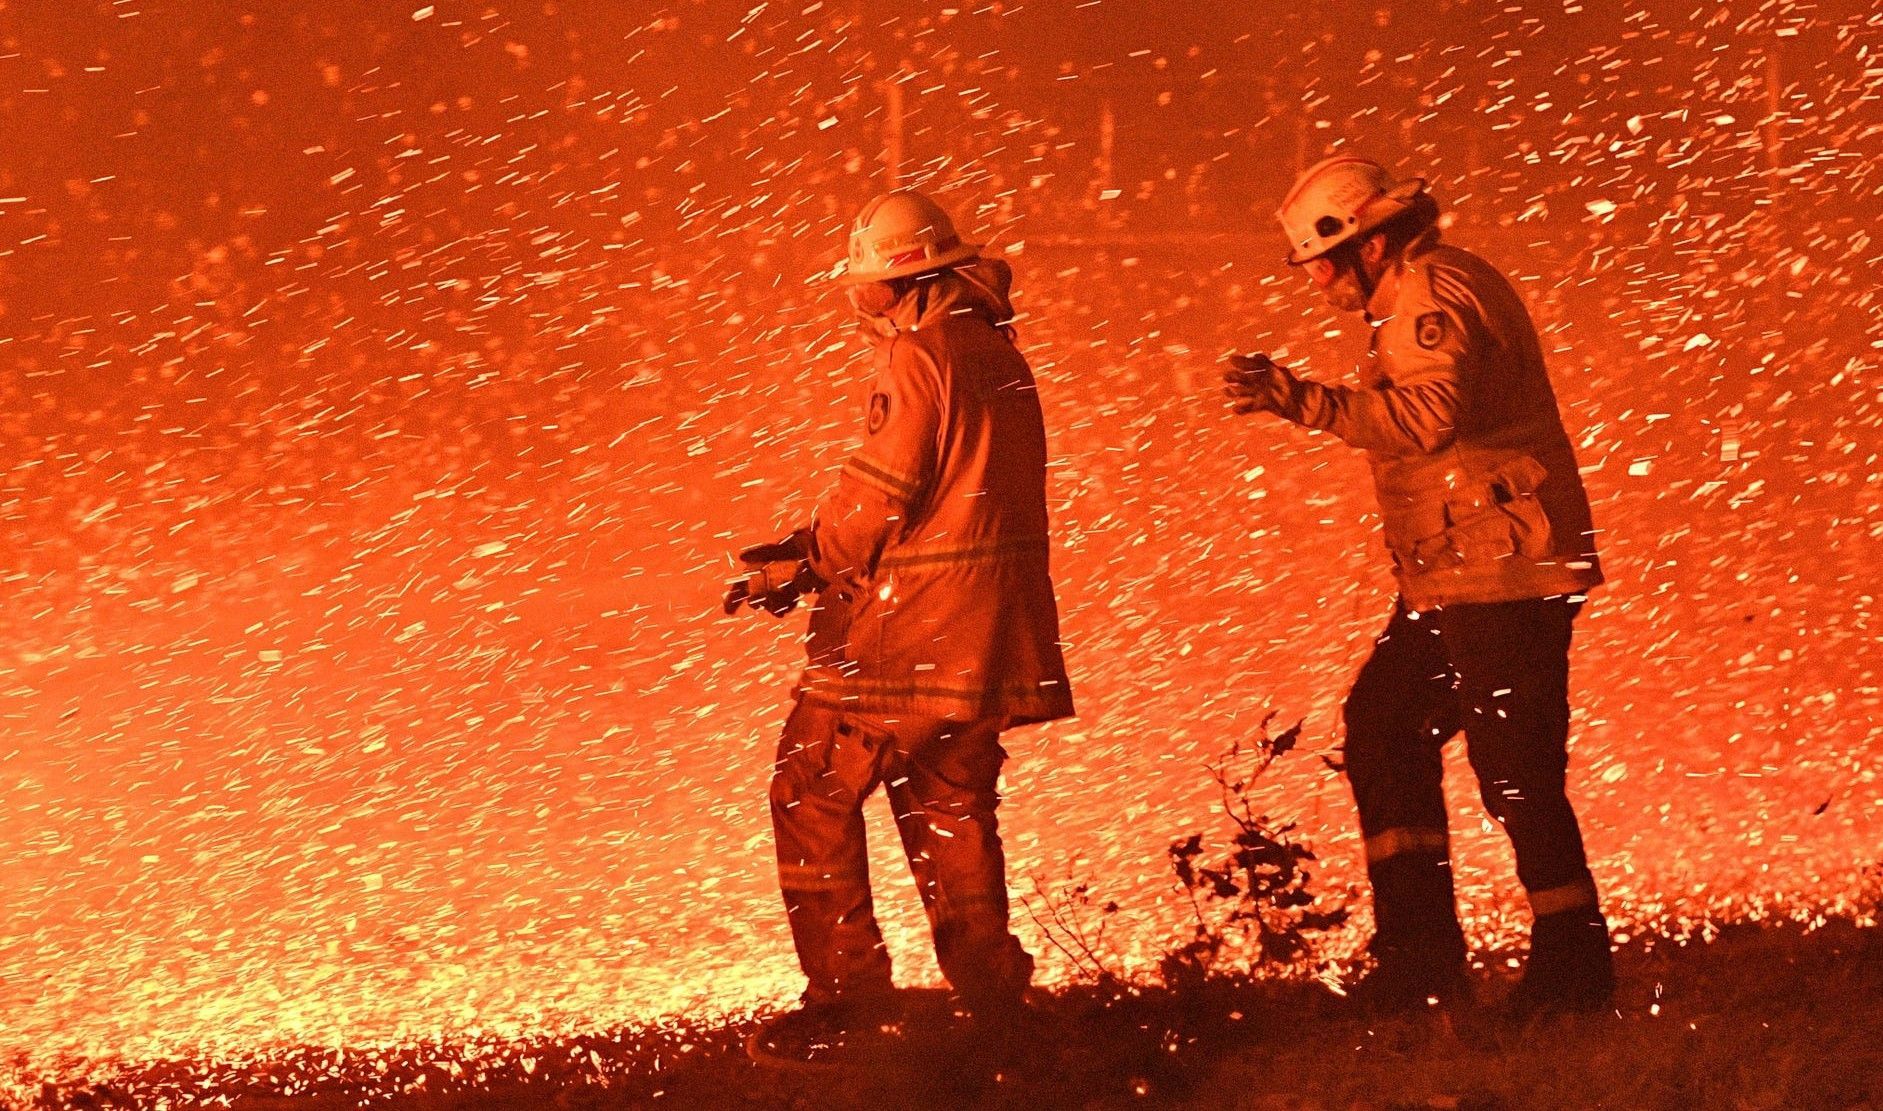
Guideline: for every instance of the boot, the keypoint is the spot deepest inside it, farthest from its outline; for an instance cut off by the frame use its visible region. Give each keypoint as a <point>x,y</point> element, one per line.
<point>825,1034</point>
<point>1417,944</point>
<point>1571,970</point>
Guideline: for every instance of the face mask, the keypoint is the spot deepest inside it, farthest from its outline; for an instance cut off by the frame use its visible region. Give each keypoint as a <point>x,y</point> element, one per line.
<point>1350,287</point>
<point>873,302</point>
<point>872,298</point>
<point>1345,292</point>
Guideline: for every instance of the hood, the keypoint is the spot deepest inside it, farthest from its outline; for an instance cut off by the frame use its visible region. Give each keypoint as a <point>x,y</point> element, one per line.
<point>982,288</point>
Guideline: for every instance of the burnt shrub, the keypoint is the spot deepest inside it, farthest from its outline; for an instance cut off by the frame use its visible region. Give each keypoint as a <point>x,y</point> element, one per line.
<point>1253,895</point>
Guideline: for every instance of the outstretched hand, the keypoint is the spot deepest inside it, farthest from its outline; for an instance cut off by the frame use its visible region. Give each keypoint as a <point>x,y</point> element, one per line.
<point>771,587</point>
<point>1257,383</point>
<point>774,577</point>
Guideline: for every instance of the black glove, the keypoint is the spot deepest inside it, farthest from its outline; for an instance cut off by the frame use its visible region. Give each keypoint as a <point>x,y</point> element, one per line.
<point>775,576</point>
<point>1257,383</point>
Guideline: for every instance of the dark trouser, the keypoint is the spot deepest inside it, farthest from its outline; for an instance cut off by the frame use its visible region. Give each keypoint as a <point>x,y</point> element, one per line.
<point>1500,673</point>
<point>940,777</point>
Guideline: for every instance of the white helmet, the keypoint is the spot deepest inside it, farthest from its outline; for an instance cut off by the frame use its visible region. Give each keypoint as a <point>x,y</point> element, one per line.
<point>899,234</point>
<point>1337,199</point>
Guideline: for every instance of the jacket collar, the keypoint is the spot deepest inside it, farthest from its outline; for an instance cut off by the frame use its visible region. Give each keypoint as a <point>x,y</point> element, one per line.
<point>1379,307</point>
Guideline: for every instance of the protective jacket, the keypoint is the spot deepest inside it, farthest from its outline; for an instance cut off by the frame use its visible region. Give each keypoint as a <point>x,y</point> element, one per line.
<point>1476,478</point>
<point>934,541</point>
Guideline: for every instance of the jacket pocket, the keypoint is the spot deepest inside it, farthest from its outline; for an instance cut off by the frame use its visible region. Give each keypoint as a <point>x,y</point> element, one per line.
<point>853,757</point>
<point>1495,519</point>
<point>1475,532</point>
<point>1513,492</point>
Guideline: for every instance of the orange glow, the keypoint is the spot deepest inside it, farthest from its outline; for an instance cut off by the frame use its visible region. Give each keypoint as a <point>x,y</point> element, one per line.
<point>384,397</point>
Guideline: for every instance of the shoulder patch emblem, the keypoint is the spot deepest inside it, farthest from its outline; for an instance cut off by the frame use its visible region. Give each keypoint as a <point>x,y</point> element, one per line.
<point>879,412</point>
<point>1431,330</point>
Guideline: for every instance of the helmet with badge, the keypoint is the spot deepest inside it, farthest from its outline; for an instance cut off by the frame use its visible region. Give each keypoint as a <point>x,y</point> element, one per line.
<point>899,235</point>
<point>1338,199</point>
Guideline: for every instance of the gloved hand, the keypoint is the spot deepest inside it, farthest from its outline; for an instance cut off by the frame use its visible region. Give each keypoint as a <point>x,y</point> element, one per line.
<point>775,576</point>
<point>1257,383</point>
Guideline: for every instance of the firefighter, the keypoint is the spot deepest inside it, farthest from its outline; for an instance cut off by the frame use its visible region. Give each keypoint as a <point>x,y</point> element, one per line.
<point>934,629</point>
<point>1489,532</point>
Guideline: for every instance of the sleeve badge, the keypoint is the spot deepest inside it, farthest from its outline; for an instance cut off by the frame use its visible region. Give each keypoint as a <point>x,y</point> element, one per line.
<point>879,412</point>
<point>1430,330</point>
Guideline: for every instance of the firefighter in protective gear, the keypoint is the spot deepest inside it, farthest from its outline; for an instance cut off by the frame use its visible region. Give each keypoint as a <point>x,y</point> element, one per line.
<point>934,629</point>
<point>1489,532</point>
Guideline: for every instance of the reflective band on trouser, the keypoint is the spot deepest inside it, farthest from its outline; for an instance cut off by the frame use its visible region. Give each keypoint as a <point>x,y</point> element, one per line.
<point>1389,843</point>
<point>1558,900</point>
<point>805,877</point>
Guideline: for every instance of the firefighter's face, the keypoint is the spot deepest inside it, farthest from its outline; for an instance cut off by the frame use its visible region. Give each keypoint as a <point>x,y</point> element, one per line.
<point>1338,276</point>
<point>873,302</point>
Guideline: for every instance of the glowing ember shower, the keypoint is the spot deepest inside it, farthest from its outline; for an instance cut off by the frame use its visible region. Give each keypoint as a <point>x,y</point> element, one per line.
<point>387,388</point>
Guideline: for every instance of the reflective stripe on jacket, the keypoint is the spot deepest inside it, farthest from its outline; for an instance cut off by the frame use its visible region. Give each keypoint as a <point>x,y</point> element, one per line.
<point>935,538</point>
<point>1476,478</point>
